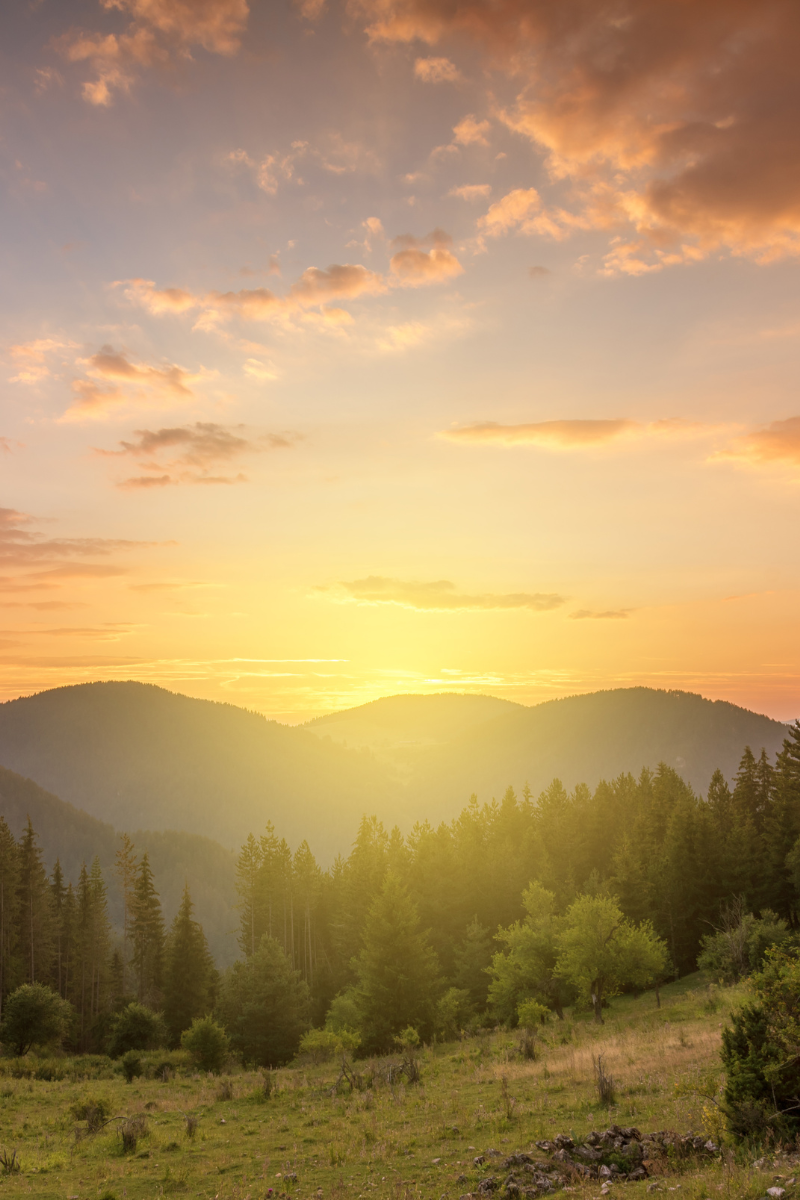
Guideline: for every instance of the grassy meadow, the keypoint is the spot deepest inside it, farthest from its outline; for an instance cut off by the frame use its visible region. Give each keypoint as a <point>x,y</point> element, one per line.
<point>308,1139</point>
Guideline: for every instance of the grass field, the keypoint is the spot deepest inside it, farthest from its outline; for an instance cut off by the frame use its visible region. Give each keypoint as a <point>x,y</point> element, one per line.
<point>391,1140</point>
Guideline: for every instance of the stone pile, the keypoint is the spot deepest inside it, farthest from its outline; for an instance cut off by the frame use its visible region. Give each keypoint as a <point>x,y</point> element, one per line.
<point>618,1153</point>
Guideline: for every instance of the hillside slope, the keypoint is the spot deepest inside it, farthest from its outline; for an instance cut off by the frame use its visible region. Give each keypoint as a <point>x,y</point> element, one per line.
<point>74,837</point>
<point>138,756</point>
<point>583,739</point>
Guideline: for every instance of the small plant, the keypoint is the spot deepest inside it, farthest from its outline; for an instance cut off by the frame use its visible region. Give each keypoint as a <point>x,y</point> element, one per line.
<point>133,1129</point>
<point>94,1110</point>
<point>509,1103</point>
<point>131,1064</point>
<point>191,1125</point>
<point>164,1072</point>
<point>9,1163</point>
<point>225,1090</point>
<point>268,1086</point>
<point>606,1091</point>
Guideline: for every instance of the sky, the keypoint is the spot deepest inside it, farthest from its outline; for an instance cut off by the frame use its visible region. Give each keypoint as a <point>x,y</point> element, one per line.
<point>388,346</point>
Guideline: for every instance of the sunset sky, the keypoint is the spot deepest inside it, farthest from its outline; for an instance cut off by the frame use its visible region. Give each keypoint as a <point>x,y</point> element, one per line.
<point>401,346</point>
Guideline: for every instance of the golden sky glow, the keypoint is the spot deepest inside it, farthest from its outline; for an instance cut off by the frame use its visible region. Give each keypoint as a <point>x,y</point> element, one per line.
<point>401,345</point>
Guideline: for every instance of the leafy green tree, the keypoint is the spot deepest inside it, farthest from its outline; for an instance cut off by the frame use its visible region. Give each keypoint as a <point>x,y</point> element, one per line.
<point>207,1042</point>
<point>136,1028</point>
<point>526,968</point>
<point>34,1015</point>
<point>453,1013</point>
<point>760,1054</point>
<point>600,951</point>
<point>740,945</point>
<point>147,936</point>
<point>189,974</point>
<point>398,972</point>
<point>264,1005</point>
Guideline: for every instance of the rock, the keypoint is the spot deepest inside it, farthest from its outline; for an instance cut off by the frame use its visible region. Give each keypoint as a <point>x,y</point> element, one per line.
<point>493,1154</point>
<point>436,1161</point>
<point>517,1160</point>
<point>462,1179</point>
<point>776,1192</point>
<point>604,1172</point>
<point>479,1160</point>
<point>564,1142</point>
<point>488,1185</point>
<point>588,1153</point>
<point>639,1173</point>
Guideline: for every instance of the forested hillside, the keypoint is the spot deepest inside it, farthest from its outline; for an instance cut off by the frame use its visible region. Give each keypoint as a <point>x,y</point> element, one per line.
<point>74,837</point>
<point>454,924</point>
<point>138,756</point>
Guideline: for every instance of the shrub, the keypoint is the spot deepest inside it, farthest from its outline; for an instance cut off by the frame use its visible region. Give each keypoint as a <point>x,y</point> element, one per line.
<point>320,1045</point>
<point>94,1110</point>
<point>531,1013</point>
<point>740,945</point>
<point>34,1015</point>
<point>136,1028</point>
<point>344,1012</point>
<point>453,1013</point>
<point>207,1043</point>
<point>131,1064</point>
<point>759,1052</point>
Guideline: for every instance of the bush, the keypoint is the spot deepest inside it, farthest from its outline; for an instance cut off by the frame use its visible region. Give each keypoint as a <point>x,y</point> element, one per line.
<point>131,1064</point>
<point>136,1028</point>
<point>321,1045</point>
<point>35,1015</point>
<point>344,1012</point>
<point>531,1013</point>
<point>264,1005</point>
<point>207,1043</point>
<point>759,1052</point>
<point>94,1110</point>
<point>740,945</point>
<point>453,1013</point>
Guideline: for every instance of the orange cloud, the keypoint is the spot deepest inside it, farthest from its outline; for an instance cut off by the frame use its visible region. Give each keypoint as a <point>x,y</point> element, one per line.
<point>23,547</point>
<point>416,268</point>
<point>674,122</point>
<point>115,380</point>
<point>610,614</point>
<point>439,595</point>
<point>158,30</point>
<point>31,359</point>
<point>778,442</point>
<point>554,434</point>
<point>471,191</point>
<point>469,132</point>
<point>514,211</point>
<point>436,70</point>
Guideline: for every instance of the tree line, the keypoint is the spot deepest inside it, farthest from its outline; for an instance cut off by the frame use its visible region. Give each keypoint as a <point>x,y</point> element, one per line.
<point>543,901</point>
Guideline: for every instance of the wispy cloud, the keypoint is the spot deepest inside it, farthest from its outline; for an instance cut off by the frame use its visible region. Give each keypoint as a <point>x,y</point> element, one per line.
<point>439,595</point>
<point>114,380</point>
<point>609,614</point>
<point>572,434</point>
<point>471,191</point>
<point>193,453</point>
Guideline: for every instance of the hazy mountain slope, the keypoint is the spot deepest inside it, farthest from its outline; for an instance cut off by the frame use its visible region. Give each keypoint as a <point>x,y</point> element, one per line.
<point>583,739</point>
<point>139,756</point>
<point>396,728</point>
<point>75,837</point>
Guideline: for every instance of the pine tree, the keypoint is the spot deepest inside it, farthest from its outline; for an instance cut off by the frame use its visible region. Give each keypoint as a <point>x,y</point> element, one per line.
<point>9,913</point>
<point>58,892</point>
<point>147,936</point>
<point>125,870</point>
<point>248,871</point>
<point>35,910</point>
<point>398,972</point>
<point>189,973</point>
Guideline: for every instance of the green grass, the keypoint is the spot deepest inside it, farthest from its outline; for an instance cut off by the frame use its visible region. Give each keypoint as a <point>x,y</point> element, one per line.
<point>400,1141</point>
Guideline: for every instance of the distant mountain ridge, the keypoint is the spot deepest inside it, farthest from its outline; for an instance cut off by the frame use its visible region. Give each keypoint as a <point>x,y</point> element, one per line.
<point>137,756</point>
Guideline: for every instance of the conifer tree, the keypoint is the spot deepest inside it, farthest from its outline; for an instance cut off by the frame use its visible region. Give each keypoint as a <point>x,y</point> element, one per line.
<point>125,870</point>
<point>189,974</point>
<point>58,892</point>
<point>398,972</point>
<point>9,913</point>
<point>248,880</point>
<point>147,936</point>
<point>782,828</point>
<point>35,910</point>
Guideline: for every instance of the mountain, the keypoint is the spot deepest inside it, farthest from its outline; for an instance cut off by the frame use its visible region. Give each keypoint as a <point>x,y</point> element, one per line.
<point>74,837</point>
<point>137,756</point>
<point>583,739</point>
